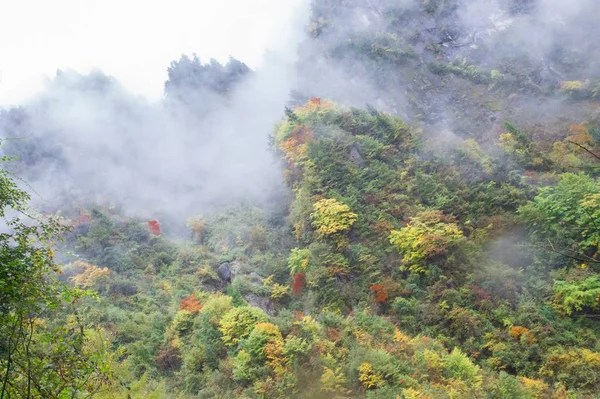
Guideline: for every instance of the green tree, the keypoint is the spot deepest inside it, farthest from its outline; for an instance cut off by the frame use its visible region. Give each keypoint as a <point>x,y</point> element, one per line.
<point>578,296</point>
<point>565,218</point>
<point>459,366</point>
<point>42,352</point>
<point>298,260</point>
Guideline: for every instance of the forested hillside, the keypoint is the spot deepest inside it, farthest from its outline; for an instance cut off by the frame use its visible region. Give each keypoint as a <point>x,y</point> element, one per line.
<point>420,219</point>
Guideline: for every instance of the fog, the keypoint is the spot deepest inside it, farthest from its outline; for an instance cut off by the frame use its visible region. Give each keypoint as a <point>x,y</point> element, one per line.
<point>533,45</point>
<point>86,136</point>
<point>106,134</point>
<point>133,40</point>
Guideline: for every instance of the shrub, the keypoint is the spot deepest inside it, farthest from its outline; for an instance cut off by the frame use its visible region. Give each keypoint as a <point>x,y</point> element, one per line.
<point>239,322</point>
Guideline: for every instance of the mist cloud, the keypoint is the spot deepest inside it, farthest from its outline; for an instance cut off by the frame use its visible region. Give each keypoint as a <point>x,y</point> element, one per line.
<point>384,53</point>
<point>101,139</point>
<point>92,138</point>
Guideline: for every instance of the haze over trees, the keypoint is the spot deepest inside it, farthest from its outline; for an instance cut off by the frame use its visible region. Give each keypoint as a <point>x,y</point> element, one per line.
<point>419,218</point>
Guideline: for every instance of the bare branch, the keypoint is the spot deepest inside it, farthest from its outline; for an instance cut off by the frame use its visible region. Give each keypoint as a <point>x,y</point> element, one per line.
<point>585,149</point>
<point>578,257</point>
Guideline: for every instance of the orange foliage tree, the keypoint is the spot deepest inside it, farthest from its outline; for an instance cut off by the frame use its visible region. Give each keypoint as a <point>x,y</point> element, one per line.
<point>380,294</point>
<point>191,304</point>
<point>296,145</point>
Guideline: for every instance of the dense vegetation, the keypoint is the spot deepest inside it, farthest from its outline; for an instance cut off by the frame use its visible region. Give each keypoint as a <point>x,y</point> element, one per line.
<point>413,259</point>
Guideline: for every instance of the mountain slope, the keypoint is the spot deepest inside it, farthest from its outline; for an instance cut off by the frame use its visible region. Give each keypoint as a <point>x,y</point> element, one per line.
<point>437,235</point>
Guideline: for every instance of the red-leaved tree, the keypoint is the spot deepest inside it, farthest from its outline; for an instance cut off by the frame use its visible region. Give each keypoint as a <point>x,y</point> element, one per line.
<point>298,281</point>
<point>154,227</point>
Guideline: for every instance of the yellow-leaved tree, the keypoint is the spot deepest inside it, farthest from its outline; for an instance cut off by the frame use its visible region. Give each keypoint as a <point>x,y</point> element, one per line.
<point>237,323</point>
<point>427,235</point>
<point>89,276</point>
<point>332,217</point>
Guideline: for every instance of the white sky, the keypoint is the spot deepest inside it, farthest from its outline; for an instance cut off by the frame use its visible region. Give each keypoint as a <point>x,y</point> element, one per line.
<point>132,40</point>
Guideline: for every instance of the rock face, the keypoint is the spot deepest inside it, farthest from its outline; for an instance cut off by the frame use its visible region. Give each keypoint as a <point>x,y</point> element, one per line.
<point>356,157</point>
<point>260,302</point>
<point>224,272</point>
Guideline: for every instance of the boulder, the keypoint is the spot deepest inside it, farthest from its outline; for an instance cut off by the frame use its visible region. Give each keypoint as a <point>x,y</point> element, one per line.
<point>224,272</point>
<point>356,157</point>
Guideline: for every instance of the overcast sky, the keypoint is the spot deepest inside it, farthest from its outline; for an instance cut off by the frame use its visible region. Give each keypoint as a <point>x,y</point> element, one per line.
<point>133,40</point>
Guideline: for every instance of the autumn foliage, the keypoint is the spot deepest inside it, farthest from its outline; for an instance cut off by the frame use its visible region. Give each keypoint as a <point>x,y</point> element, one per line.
<point>298,315</point>
<point>83,219</point>
<point>89,276</point>
<point>314,105</point>
<point>331,217</point>
<point>316,101</point>
<point>298,281</point>
<point>428,235</point>
<point>296,145</point>
<point>191,304</point>
<point>154,227</point>
<point>198,227</point>
<point>522,333</point>
<point>380,294</point>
